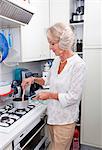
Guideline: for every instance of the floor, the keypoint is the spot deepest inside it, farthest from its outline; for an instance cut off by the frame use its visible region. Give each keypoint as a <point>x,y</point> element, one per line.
<point>84,147</point>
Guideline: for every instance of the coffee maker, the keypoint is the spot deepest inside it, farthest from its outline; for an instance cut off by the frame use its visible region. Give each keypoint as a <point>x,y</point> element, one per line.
<point>19,75</point>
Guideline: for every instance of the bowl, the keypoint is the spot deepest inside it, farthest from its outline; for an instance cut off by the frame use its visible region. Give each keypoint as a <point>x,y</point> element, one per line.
<point>5,87</point>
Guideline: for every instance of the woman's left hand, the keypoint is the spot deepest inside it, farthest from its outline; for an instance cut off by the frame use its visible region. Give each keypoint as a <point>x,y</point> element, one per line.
<point>42,96</point>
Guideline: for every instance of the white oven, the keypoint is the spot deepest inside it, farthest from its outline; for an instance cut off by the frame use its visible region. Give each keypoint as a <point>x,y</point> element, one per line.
<point>33,138</point>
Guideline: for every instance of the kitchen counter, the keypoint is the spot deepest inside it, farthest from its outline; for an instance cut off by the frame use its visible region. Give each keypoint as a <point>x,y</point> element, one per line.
<point>34,117</point>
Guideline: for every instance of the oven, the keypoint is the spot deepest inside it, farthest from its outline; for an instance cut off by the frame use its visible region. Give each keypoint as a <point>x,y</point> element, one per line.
<point>33,138</point>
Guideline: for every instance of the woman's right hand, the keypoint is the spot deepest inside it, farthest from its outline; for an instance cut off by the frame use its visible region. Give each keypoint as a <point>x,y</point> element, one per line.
<point>26,82</point>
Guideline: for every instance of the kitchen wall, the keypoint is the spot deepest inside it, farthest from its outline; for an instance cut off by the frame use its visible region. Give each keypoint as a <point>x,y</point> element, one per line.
<point>6,72</point>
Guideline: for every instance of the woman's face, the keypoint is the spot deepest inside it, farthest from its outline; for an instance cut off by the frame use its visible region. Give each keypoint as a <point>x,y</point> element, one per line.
<point>54,46</point>
<point>53,43</point>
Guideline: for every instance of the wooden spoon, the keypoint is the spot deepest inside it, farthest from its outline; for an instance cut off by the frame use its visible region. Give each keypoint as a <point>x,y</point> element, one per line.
<point>23,94</point>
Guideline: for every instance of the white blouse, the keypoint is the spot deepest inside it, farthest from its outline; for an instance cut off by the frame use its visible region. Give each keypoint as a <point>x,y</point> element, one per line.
<point>69,85</point>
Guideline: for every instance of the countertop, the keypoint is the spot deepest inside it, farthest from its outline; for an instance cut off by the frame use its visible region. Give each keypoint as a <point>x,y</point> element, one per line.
<point>7,138</point>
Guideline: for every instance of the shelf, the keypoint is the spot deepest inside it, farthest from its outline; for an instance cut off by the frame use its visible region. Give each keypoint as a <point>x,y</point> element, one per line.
<point>9,23</point>
<point>79,52</point>
<point>78,124</point>
<point>77,24</point>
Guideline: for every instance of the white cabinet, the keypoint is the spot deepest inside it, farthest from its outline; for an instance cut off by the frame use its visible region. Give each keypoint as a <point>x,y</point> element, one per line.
<point>91,127</point>
<point>93,24</point>
<point>34,45</point>
<point>29,41</point>
<point>59,12</point>
<point>91,116</point>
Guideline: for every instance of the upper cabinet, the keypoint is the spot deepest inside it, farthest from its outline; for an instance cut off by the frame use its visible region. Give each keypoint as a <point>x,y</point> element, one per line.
<point>34,45</point>
<point>92,24</point>
<point>59,12</point>
<point>29,41</point>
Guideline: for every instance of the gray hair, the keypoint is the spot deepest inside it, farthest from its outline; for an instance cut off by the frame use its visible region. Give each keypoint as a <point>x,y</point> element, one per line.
<point>63,34</point>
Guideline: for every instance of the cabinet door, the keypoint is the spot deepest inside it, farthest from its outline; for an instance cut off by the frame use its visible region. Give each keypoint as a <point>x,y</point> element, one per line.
<point>92,24</point>
<point>91,115</point>
<point>59,12</point>
<point>33,36</point>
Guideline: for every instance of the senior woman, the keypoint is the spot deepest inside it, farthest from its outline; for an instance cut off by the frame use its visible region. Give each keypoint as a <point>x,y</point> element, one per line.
<point>66,80</point>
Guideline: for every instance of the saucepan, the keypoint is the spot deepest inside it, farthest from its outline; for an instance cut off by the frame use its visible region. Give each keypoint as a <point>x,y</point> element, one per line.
<point>19,103</point>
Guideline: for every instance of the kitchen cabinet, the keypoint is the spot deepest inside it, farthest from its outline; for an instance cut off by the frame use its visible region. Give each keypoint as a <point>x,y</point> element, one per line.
<point>11,23</point>
<point>91,116</point>
<point>34,45</point>
<point>59,12</point>
<point>92,24</point>
<point>29,41</point>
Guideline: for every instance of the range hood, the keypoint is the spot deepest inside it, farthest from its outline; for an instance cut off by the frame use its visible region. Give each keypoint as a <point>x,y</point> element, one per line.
<point>11,10</point>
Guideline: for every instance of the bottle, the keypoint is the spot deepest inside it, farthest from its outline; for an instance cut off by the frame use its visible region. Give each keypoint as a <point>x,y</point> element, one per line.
<point>79,45</point>
<point>46,69</point>
<point>75,143</point>
<point>46,66</point>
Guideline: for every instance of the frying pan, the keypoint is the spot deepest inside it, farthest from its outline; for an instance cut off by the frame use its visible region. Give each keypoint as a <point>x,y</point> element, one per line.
<point>4,48</point>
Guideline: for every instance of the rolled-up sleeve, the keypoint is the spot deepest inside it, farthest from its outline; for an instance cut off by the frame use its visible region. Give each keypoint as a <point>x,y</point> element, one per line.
<point>74,93</point>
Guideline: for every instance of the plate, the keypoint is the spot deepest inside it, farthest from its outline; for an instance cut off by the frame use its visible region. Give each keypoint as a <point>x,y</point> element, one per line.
<point>4,48</point>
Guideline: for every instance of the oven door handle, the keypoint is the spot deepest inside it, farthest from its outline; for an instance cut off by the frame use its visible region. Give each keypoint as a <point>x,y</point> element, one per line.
<point>33,136</point>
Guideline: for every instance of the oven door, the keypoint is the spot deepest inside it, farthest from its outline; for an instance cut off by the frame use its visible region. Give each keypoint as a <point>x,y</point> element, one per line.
<point>35,139</point>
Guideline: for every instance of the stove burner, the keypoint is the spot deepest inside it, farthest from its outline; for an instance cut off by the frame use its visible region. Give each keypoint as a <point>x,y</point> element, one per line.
<point>8,107</point>
<point>2,110</point>
<point>5,119</point>
<point>20,110</point>
<point>31,106</point>
<point>9,114</point>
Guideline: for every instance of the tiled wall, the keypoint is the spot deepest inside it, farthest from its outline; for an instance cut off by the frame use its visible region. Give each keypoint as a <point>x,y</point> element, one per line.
<point>6,72</point>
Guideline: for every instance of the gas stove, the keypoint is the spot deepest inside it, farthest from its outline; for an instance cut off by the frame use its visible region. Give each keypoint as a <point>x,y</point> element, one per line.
<point>11,117</point>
